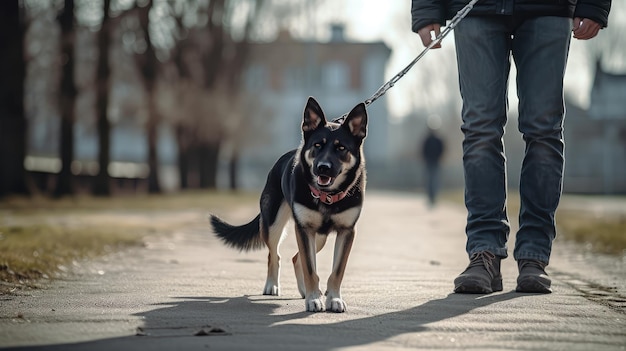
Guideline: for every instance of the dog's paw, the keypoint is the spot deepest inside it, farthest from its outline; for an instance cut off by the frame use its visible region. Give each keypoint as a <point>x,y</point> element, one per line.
<point>314,305</point>
<point>271,289</point>
<point>335,304</point>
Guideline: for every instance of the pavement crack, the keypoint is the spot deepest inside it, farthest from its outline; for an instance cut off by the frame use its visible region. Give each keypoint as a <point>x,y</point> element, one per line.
<point>605,295</point>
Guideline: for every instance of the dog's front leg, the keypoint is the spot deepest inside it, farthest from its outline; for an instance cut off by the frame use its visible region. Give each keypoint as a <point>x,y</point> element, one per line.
<point>343,245</point>
<point>320,241</point>
<point>306,252</point>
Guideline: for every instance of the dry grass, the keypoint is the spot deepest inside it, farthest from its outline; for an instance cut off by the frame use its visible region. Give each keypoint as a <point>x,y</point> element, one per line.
<point>174,201</point>
<point>42,238</point>
<point>603,232</point>
<point>606,234</point>
<point>35,251</point>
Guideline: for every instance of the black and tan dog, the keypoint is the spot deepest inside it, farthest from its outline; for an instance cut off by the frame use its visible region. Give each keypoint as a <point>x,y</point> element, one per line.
<point>321,186</point>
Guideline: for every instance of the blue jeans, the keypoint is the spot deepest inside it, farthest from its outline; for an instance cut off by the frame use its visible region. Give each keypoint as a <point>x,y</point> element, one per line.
<point>539,47</point>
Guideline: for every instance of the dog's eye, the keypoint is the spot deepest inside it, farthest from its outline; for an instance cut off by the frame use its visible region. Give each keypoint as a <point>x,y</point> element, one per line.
<point>341,147</point>
<point>318,145</point>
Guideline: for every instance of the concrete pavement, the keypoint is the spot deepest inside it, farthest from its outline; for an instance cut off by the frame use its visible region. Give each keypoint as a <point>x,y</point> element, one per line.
<point>187,291</point>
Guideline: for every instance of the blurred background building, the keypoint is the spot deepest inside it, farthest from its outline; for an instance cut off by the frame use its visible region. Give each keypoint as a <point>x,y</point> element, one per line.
<point>208,94</point>
<point>596,138</point>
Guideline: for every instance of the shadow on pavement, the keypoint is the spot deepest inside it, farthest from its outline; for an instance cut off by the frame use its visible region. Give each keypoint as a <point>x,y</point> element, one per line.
<point>247,322</point>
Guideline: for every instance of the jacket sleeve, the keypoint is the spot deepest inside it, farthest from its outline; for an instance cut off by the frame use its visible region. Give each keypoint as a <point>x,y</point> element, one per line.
<point>597,10</point>
<point>425,12</point>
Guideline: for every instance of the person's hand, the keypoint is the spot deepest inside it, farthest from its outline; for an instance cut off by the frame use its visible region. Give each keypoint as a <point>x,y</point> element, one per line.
<point>584,28</point>
<point>426,34</point>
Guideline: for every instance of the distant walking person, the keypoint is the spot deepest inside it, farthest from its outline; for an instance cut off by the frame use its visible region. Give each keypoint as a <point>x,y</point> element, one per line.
<point>432,150</point>
<point>536,35</point>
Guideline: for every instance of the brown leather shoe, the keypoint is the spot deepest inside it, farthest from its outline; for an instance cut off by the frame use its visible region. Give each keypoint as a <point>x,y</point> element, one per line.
<point>482,275</point>
<point>532,277</point>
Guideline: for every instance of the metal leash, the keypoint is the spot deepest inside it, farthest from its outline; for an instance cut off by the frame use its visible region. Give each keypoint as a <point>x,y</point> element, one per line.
<point>385,87</point>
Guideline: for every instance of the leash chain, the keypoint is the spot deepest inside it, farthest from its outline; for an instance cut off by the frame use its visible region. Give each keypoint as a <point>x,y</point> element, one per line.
<point>385,87</point>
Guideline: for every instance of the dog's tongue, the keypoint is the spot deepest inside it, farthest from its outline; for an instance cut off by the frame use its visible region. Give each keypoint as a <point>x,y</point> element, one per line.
<point>323,180</point>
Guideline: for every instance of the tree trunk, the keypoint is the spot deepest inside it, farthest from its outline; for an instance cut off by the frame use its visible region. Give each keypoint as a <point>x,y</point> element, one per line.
<point>64,184</point>
<point>182,132</point>
<point>153,159</point>
<point>148,65</point>
<point>208,153</point>
<point>102,182</point>
<point>12,116</point>
<point>233,170</point>
<point>183,156</point>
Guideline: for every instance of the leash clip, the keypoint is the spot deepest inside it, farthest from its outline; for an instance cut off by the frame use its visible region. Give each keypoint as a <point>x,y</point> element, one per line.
<point>328,200</point>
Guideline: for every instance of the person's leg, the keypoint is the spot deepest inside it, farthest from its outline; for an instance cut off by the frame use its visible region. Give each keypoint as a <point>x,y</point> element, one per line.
<point>483,57</point>
<point>483,51</point>
<point>540,49</point>
<point>432,175</point>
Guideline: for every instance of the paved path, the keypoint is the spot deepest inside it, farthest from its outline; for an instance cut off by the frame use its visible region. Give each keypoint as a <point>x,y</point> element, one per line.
<point>189,292</point>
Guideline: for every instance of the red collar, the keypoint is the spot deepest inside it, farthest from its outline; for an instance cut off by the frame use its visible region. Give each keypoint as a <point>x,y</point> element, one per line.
<point>325,197</point>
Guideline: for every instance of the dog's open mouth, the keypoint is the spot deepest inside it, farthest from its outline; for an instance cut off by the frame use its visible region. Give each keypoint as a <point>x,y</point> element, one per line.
<point>323,180</point>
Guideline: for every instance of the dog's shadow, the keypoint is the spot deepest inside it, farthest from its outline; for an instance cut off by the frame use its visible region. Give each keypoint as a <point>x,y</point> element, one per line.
<point>242,322</point>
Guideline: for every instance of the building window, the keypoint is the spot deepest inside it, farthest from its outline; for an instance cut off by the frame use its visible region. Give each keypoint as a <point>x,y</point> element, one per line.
<point>256,77</point>
<point>294,78</point>
<point>335,75</point>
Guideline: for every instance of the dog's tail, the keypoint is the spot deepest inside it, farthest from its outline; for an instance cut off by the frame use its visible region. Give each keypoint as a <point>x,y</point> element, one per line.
<point>244,237</point>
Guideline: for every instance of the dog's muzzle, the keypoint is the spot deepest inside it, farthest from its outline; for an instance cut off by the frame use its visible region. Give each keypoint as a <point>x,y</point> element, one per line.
<point>323,175</point>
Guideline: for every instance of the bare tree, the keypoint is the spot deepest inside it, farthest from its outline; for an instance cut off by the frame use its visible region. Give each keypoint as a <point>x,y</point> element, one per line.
<point>102,183</point>
<point>204,153</point>
<point>64,184</point>
<point>185,55</point>
<point>210,57</point>
<point>147,62</point>
<point>12,117</point>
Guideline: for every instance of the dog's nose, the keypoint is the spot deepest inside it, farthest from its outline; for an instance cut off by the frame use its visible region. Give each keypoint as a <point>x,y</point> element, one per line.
<point>323,167</point>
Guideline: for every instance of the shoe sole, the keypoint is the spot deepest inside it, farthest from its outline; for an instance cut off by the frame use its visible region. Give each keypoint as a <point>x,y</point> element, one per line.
<point>533,287</point>
<point>473,287</point>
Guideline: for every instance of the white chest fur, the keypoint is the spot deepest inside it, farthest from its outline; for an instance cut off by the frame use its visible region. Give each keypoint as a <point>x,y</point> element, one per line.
<point>314,219</point>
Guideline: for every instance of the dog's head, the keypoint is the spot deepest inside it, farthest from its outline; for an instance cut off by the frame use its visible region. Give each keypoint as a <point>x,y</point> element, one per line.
<point>331,151</point>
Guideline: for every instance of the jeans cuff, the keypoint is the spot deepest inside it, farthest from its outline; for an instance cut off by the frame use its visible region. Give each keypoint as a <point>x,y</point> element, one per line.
<point>499,252</point>
<point>532,256</point>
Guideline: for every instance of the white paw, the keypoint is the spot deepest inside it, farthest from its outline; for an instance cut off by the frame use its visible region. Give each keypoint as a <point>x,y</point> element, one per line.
<point>271,289</point>
<point>314,303</point>
<point>335,304</point>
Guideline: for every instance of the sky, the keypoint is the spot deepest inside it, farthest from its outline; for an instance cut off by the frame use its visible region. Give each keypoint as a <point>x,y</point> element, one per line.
<point>430,83</point>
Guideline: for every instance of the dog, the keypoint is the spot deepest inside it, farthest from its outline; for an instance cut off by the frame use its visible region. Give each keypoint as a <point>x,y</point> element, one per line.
<point>321,186</point>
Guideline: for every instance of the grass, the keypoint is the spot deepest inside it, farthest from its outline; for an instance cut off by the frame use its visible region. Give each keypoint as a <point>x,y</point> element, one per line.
<point>42,238</point>
<point>173,201</point>
<point>604,233</point>
<point>35,251</point>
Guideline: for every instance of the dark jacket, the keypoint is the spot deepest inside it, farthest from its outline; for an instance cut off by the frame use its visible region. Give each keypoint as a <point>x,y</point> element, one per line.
<point>425,12</point>
<point>432,149</point>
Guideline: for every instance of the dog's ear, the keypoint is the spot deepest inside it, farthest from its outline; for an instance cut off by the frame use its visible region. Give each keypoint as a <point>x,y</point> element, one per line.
<point>313,116</point>
<point>356,121</point>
